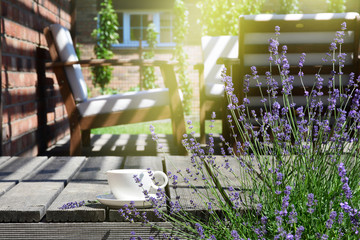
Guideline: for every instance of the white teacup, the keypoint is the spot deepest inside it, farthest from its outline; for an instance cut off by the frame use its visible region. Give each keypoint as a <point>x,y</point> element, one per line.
<point>124,187</point>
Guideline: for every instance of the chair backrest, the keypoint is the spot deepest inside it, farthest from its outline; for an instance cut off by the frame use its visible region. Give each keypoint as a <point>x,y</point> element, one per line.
<point>214,48</point>
<point>66,51</point>
<point>301,33</point>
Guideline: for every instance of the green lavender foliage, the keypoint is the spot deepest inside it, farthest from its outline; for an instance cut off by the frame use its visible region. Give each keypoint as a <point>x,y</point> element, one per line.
<point>149,72</point>
<point>220,17</point>
<point>106,34</point>
<point>181,29</point>
<point>295,176</point>
<point>336,5</point>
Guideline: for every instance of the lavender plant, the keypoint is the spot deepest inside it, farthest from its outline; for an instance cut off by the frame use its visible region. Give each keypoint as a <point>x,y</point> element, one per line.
<point>294,173</point>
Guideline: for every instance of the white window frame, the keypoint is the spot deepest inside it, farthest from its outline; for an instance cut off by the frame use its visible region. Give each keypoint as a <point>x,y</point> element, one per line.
<point>126,30</point>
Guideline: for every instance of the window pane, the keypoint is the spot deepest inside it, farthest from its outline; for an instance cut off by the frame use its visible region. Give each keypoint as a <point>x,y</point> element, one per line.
<point>165,35</point>
<point>147,19</point>
<point>165,19</point>
<point>120,19</point>
<point>121,27</point>
<point>138,26</point>
<point>121,35</point>
<point>135,20</point>
<point>135,34</point>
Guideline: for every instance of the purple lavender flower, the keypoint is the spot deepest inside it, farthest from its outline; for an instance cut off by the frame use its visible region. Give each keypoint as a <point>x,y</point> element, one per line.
<point>288,190</point>
<point>277,30</point>
<point>324,237</point>
<point>311,202</point>
<point>346,207</point>
<point>302,60</point>
<point>71,205</point>
<point>289,236</point>
<point>292,216</point>
<point>273,46</point>
<point>259,208</point>
<point>299,232</point>
<point>346,188</point>
<point>235,235</point>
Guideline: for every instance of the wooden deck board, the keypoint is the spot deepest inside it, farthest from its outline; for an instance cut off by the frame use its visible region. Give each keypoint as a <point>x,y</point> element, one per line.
<point>57,169</point>
<point>6,186</point>
<point>17,168</point>
<point>95,168</point>
<point>79,191</point>
<point>3,159</point>
<point>88,231</point>
<point>28,201</point>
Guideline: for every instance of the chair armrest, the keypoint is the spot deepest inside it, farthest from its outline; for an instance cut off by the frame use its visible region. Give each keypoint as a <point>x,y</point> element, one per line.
<point>110,62</point>
<point>199,66</point>
<point>228,61</point>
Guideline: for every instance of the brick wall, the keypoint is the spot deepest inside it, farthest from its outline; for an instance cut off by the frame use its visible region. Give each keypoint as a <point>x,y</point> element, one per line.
<point>33,113</point>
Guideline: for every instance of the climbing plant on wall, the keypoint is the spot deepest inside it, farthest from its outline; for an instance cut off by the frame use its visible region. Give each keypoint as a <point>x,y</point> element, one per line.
<point>148,73</point>
<point>181,28</point>
<point>106,35</point>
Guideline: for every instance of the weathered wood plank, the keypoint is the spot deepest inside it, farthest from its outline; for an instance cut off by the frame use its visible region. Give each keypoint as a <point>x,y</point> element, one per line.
<point>4,159</point>
<point>95,168</point>
<point>17,168</point>
<point>197,202</point>
<point>65,231</point>
<point>144,162</point>
<point>174,164</point>
<point>79,191</point>
<point>57,169</point>
<point>6,186</point>
<point>135,162</point>
<point>28,201</point>
<point>229,172</point>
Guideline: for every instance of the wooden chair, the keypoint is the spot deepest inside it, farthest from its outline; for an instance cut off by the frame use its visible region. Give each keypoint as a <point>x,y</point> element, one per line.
<point>210,85</point>
<point>302,33</point>
<point>87,113</point>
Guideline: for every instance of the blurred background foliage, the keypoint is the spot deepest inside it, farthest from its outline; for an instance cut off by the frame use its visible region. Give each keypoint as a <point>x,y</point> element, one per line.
<point>220,17</point>
<point>148,73</point>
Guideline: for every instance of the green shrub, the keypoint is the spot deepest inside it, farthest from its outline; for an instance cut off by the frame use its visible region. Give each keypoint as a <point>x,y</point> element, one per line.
<point>106,35</point>
<point>181,29</point>
<point>149,72</point>
<point>289,6</point>
<point>220,17</point>
<point>336,5</point>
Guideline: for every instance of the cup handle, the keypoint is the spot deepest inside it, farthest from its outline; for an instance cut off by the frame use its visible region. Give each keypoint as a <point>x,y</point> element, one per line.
<point>166,179</point>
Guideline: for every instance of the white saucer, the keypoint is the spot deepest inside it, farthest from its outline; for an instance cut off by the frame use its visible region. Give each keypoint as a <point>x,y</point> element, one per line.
<point>110,201</point>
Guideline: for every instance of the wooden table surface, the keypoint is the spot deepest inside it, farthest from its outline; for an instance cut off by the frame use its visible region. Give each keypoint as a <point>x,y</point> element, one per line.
<point>33,188</point>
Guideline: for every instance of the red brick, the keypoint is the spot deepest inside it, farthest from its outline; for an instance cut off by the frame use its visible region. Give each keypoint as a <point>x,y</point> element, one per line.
<point>20,79</point>
<point>60,113</point>
<point>48,15</point>
<point>19,95</point>
<point>22,126</point>
<point>11,114</point>
<point>19,31</point>
<point>22,24</point>
<point>26,4</point>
